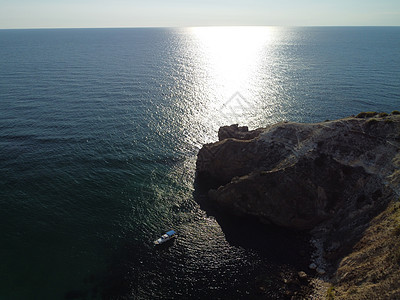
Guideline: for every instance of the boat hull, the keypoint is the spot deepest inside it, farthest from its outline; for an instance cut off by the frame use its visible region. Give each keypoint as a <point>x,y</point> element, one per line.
<point>168,236</point>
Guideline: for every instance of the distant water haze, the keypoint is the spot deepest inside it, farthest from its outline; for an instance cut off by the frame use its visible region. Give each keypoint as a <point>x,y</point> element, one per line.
<point>99,131</point>
<point>177,13</point>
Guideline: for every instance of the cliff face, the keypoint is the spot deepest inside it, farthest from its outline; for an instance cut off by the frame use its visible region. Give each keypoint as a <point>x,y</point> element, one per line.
<point>296,175</point>
<point>339,178</point>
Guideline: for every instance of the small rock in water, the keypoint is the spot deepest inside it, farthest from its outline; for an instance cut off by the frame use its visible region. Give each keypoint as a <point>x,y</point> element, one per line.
<point>302,275</point>
<point>312,266</point>
<point>320,271</point>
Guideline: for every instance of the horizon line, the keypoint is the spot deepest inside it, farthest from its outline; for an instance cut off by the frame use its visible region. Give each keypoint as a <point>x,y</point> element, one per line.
<point>192,26</point>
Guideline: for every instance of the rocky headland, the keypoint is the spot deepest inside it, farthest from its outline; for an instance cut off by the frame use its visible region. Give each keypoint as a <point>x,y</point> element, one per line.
<point>338,180</point>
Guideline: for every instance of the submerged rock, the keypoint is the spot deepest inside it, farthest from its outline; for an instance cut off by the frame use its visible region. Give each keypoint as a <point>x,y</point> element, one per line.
<point>297,175</point>
<point>320,271</point>
<point>312,266</point>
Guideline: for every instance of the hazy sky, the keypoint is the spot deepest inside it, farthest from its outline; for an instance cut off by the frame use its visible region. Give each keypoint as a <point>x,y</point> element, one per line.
<point>160,13</point>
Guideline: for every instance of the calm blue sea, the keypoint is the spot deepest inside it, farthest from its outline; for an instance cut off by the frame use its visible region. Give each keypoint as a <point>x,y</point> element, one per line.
<point>99,131</point>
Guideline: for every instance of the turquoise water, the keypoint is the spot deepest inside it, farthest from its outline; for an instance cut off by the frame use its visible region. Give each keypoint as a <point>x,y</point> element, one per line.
<point>99,132</point>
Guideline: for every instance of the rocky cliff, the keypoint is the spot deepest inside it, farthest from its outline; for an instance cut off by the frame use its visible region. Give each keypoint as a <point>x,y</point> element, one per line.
<point>335,177</point>
<point>296,175</point>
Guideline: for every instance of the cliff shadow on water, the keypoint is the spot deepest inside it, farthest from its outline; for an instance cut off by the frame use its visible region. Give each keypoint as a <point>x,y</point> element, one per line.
<point>279,245</point>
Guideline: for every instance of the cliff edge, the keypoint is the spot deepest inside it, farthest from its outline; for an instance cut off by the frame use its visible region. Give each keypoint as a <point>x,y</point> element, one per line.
<point>334,178</point>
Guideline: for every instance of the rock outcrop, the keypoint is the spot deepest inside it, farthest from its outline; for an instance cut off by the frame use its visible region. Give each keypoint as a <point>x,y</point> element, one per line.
<point>297,175</point>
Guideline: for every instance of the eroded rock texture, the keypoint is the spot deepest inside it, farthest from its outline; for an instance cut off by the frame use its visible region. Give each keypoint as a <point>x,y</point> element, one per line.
<point>296,175</point>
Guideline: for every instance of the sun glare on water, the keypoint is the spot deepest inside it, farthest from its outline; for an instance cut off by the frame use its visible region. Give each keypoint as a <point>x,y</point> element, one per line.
<point>231,54</point>
<point>231,58</point>
<point>229,78</point>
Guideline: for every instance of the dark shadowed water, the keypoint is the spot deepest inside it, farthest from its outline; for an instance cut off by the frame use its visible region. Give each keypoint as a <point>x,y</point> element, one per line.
<point>99,131</point>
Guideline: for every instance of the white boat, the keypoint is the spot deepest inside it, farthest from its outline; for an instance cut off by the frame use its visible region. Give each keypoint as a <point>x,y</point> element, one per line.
<point>169,235</point>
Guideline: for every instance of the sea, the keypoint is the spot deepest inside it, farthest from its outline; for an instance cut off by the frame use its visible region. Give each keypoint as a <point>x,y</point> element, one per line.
<point>99,132</point>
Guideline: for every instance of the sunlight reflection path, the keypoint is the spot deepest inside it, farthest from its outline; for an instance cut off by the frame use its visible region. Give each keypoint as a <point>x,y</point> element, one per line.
<point>232,56</point>
<point>233,76</point>
<point>227,75</point>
